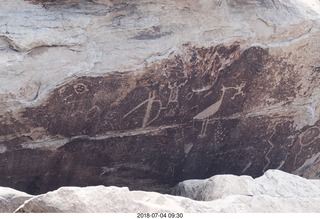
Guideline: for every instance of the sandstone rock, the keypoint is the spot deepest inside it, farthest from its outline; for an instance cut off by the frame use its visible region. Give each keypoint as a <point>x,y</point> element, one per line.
<point>11,199</point>
<point>145,94</point>
<point>275,191</point>
<point>107,199</point>
<point>273,183</point>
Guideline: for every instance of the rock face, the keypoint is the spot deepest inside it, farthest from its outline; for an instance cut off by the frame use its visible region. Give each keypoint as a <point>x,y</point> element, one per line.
<point>273,183</point>
<point>144,94</point>
<point>275,191</point>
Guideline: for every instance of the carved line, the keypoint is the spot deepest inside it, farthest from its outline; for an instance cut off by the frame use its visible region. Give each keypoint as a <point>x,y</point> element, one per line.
<point>247,166</point>
<point>148,111</point>
<point>159,111</point>
<point>304,145</point>
<point>270,149</point>
<point>306,132</point>
<point>204,128</point>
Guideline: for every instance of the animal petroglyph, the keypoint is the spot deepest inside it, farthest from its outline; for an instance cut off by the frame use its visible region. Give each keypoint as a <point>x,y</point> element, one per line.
<point>205,115</point>
<point>213,109</point>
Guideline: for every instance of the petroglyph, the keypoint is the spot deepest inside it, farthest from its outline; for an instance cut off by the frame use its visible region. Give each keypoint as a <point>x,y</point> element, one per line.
<point>204,127</point>
<point>93,112</point>
<point>170,108</point>
<point>246,167</point>
<point>148,110</point>
<point>146,120</point>
<point>238,89</point>
<point>309,136</point>
<point>190,122</point>
<point>213,109</point>
<point>173,103</point>
<point>174,91</point>
<point>108,170</point>
<point>272,146</point>
<point>199,90</point>
<point>80,88</point>
<point>305,139</point>
<point>170,170</point>
<point>187,148</point>
<point>205,115</point>
<point>189,95</point>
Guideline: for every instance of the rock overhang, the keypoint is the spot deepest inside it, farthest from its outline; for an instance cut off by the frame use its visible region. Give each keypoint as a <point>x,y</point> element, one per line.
<point>190,111</point>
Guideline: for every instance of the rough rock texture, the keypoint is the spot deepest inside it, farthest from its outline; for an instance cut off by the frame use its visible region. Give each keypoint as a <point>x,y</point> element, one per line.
<point>146,93</point>
<point>273,183</point>
<point>275,191</point>
<point>11,199</point>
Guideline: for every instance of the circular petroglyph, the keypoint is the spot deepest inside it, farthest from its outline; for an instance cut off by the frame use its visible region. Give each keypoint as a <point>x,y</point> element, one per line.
<point>310,135</point>
<point>80,88</point>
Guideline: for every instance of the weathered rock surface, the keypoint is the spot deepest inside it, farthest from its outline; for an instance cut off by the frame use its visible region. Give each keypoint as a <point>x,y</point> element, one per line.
<point>11,199</point>
<point>273,183</point>
<point>146,94</point>
<point>275,191</point>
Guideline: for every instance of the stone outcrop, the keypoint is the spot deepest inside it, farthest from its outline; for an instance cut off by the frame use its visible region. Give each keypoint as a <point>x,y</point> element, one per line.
<point>275,191</point>
<point>146,94</point>
<point>273,183</point>
<point>11,199</point>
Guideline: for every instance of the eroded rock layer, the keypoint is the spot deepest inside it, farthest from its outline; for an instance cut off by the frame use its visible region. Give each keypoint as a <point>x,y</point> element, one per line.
<point>241,106</point>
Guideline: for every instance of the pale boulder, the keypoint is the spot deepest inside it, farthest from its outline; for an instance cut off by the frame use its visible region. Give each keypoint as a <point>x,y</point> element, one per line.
<point>11,199</point>
<point>276,191</point>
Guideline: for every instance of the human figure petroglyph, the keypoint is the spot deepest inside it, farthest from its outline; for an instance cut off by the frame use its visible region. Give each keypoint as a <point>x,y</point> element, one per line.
<point>173,103</point>
<point>146,119</point>
<point>170,107</point>
<point>205,115</point>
